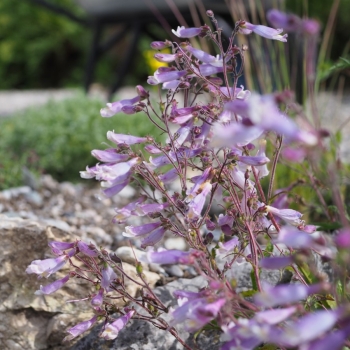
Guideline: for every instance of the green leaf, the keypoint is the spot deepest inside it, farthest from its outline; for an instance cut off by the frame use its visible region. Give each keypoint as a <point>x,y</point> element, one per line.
<point>254,281</point>
<point>328,69</point>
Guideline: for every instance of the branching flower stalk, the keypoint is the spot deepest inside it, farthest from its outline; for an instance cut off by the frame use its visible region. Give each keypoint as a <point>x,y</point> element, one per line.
<point>204,184</point>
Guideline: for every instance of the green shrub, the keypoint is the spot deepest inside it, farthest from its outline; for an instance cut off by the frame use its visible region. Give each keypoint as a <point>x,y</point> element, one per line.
<point>57,138</point>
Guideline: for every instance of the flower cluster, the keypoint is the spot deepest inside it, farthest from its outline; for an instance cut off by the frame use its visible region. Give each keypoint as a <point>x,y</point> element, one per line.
<point>204,184</point>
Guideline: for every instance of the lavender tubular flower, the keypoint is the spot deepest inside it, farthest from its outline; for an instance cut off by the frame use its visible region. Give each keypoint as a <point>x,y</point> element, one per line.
<point>97,299</point>
<point>160,45</point>
<point>128,210</point>
<point>116,107</point>
<point>169,176</point>
<point>134,231</point>
<point>276,262</point>
<point>197,204</point>
<point>113,190</point>
<point>109,155</point>
<point>170,257</point>
<point>112,330</point>
<point>284,294</point>
<point>86,249</point>
<point>153,238</point>
<point>165,57</point>
<point>165,76</point>
<point>307,328</point>
<point>80,328</point>
<point>58,248</point>
<point>205,57</point>
<point>125,139</point>
<point>290,216</point>
<point>266,32</point>
<point>108,275</point>
<point>183,32</point>
<point>52,287</point>
<point>47,267</point>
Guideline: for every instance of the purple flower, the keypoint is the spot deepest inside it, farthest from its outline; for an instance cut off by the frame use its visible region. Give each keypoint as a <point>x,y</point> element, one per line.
<point>160,45</point>
<point>284,294</point>
<point>262,169</point>
<point>290,216</point>
<point>165,74</point>
<point>289,22</point>
<point>153,238</point>
<point>165,57</point>
<point>152,149</point>
<point>183,32</point>
<point>266,32</point>
<point>80,328</point>
<point>196,312</point>
<point>52,287</point>
<point>128,210</point>
<point>145,209</point>
<point>171,256</point>
<point>109,155</point>
<point>87,250</point>
<point>47,267</point>
<point>197,203</point>
<point>116,107</point>
<point>198,183</point>
<point>334,341</point>
<point>342,239</point>
<point>276,262</point>
<point>125,139</point>
<point>97,299</point>
<point>108,276</point>
<point>228,246</point>
<point>306,329</point>
<point>58,248</point>
<point>169,176</point>
<point>134,231</point>
<point>294,238</point>
<point>116,188</point>
<point>112,330</point>
<point>205,57</point>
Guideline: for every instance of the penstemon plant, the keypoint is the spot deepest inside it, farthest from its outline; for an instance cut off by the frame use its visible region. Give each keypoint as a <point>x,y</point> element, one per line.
<point>215,154</point>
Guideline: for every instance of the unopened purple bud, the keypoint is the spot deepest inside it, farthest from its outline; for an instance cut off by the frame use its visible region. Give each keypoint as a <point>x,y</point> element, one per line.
<point>52,287</point>
<point>210,225</point>
<point>210,13</point>
<point>342,239</point>
<point>97,300</point>
<point>160,45</point>
<point>310,26</point>
<point>142,92</point>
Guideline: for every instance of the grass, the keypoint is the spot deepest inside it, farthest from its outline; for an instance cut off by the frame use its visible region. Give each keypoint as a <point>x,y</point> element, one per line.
<point>57,138</point>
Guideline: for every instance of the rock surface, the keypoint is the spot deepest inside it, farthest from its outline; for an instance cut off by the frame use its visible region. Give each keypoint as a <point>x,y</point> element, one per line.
<point>30,321</point>
<point>140,335</point>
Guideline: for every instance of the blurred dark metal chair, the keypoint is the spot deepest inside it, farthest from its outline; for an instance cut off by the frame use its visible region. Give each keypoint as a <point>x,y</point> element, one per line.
<point>133,17</point>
